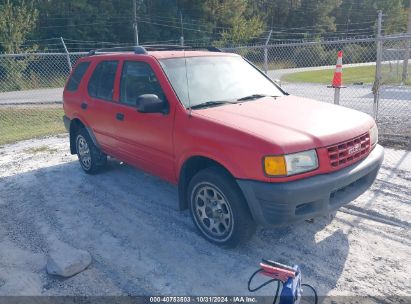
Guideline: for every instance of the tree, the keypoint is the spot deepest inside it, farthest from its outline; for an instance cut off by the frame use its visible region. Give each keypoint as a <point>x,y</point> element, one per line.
<point>16,23</point>
<point>275,13</point>
<point>242,31</point>
<point>88,20</point>
<point>233,20</point>
<point>360,17</point>
<point>317,15</point>
<point>225,21</point>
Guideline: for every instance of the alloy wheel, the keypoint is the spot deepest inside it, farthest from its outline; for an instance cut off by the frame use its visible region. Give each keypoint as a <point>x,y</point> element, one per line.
<point>84,152</point>
<point>212,212</point>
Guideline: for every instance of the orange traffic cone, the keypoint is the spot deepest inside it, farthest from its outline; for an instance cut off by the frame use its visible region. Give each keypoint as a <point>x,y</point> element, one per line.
<point>337,80</point>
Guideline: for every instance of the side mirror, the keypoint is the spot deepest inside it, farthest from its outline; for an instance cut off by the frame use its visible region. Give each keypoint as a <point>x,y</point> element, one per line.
<point>150,103</point>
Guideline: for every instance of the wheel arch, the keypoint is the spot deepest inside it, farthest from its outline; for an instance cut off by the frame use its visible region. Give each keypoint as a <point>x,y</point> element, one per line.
<point>75,125</point>
<point>190,167</point>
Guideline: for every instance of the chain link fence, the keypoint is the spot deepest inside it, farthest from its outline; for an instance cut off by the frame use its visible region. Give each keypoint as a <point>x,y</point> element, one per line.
<point>23,76</point>
<point>31,85</point>
<point>394,96</point>
<point>306,69</point>
<point>31,88</point>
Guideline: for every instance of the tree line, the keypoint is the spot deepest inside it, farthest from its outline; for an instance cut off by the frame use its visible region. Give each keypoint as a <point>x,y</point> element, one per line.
<point>31,24</point>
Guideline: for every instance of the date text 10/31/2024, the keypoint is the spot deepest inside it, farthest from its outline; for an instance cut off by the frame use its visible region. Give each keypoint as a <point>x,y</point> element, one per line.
<point>203,299</point>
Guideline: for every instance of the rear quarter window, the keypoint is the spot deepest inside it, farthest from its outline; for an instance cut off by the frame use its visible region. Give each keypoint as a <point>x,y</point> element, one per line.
<point>77,76</point>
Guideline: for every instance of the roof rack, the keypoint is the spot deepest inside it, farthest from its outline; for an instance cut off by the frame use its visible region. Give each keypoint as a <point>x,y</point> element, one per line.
<point>136,49</point>
<point>141,50</point>
<point>162,47</point>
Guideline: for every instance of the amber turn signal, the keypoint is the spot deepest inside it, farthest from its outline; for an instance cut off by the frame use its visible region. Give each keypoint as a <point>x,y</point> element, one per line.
<point>275,165</point>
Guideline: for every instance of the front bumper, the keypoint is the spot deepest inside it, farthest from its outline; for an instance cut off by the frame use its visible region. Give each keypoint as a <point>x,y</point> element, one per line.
<point>275,204</point>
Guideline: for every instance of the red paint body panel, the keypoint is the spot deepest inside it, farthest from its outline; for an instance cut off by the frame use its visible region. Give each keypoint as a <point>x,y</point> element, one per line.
<point>293,123</point>
<point>237,136</point>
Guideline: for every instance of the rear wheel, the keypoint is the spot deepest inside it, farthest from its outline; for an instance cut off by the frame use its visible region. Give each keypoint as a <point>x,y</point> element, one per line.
<point>218,208</point>
<point>90,157</point>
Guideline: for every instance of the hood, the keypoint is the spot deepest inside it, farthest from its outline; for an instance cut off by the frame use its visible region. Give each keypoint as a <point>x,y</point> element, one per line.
<point>292,123</point>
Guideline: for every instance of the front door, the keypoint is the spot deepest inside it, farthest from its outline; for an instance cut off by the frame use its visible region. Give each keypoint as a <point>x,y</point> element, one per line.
<point>144,139</point>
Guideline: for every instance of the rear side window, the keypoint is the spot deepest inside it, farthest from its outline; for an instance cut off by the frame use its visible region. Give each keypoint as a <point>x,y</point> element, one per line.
<point>101,84</point>
<point>77,76</point>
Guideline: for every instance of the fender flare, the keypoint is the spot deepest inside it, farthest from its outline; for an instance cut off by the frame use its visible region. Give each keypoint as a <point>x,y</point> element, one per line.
<point>182,178</point>
<point>72,134</point>
<point>92,136</point>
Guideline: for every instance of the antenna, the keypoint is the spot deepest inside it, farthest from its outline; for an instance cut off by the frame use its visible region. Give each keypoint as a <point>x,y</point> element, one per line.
<point>135,24</point>
<point>182,29</point>
<point>188,91</point>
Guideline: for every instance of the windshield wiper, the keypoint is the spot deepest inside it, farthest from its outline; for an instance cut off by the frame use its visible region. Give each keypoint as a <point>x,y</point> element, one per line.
<point>211,103</point>
<point>253,96</point>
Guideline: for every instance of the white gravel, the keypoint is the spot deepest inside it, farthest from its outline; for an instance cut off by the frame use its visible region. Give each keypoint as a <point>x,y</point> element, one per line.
<point>141,245</point>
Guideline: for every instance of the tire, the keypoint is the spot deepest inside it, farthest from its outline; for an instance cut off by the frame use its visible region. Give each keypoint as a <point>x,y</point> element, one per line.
<point>90,157</point>
<point>218,208</point>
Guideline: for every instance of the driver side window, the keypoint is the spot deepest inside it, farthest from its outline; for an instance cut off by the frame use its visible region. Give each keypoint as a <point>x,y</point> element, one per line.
<point>137,78</point>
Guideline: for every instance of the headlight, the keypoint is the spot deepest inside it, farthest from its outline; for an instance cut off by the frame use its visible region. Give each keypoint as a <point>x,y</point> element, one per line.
<point>291,164</point>
<point>374,135</point>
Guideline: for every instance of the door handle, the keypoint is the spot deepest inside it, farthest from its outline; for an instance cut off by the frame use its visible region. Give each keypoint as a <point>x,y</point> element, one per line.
<point>120,116</point>
<point>84,106</point>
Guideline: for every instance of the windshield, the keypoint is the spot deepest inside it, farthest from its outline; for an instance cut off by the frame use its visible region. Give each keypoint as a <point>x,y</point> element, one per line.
<point>216,79</point>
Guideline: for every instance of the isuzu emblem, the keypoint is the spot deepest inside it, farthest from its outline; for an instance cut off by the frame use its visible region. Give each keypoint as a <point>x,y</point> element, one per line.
<point>354,149</point>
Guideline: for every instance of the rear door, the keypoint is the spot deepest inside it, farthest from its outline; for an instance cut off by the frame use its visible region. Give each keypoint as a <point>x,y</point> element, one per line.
<point>72,94</point>
<point>144,139</point>
<point>100,104</point>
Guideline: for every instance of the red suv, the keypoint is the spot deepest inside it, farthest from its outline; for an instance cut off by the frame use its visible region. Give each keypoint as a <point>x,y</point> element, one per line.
<point>241,150</point>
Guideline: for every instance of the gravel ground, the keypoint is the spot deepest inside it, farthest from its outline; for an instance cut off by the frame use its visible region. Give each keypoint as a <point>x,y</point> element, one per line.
<point>141,245</point>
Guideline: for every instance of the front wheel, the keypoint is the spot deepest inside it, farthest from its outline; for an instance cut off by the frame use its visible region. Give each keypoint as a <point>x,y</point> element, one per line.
<point>218,208</point>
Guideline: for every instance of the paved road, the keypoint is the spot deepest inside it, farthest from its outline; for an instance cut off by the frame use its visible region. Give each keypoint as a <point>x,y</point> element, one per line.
<point>32,96</point>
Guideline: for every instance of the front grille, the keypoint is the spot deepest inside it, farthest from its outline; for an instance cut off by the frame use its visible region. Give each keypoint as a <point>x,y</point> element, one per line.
<point>349,152</point>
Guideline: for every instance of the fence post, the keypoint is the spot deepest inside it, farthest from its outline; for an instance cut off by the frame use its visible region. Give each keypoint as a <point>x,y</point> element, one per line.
<point>68,54</point>
<point>407,48</point>
<point>337,93</point>
<point>377,81</point>
<point>266,52</point>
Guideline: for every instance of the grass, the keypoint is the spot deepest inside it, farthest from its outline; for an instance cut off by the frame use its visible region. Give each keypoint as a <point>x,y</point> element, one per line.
<point>24,123</point>
<point>278,65</point>
<point>361,74</point>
